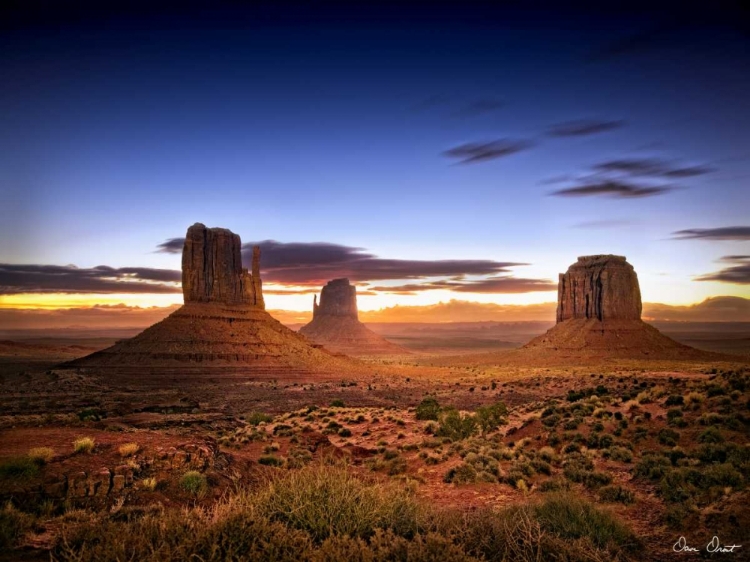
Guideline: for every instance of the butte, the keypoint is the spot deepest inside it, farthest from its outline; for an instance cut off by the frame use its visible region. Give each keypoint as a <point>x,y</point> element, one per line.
<point>336,326</point>
<point>222,323</point>
<point>599,316</point>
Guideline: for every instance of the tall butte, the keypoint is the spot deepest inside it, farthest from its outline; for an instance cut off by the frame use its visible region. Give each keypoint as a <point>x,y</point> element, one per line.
<point>599,315</point>
<point>223,321</point>
<point>336,326</point>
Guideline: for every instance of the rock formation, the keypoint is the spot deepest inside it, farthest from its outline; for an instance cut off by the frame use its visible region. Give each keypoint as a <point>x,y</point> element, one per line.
<point>338,298</point>
<point>222,322</point>
<point>603,287</point>
<point>336,325</point>
<point>212,268</point>
<point>599,316</point>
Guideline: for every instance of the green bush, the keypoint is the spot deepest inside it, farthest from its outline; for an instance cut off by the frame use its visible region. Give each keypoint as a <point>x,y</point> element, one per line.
<point>256,418</point>
<point>455,425</point>
<point>491,417</point>
<point>13,524</point>
<point>194,482</point>
<point>338,403</point>
<point>18,468</point>
<point>428,409</point>
<point>616,494</point>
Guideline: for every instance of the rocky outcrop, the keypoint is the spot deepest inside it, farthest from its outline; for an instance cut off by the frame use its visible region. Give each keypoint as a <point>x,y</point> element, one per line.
<point>212,268</point>
<point>223,321</point>
<point>603,287</point>
<point>338,298</point>
<point>599,318</point>
<point>336,326</point>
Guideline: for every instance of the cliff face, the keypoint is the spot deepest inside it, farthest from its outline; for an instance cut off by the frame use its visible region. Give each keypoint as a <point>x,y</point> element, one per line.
<point>338,298</point>
<point>603,287</point>
<point>336,324</point>
<point>212,268</point>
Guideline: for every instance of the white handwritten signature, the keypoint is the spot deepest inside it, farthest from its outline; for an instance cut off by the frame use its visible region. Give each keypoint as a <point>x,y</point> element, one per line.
<point>713,546</point>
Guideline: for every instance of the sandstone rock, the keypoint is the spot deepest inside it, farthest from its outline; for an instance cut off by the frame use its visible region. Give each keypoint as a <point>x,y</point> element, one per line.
<point>338,298</point>
<point>599,317</point>
<point>212,268</point>
<point>603,287</point>
<point>223,321</point>
<point>336,326</point>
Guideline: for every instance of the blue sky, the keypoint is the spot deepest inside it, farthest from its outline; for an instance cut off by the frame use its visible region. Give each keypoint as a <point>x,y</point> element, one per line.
<point>117,133</point>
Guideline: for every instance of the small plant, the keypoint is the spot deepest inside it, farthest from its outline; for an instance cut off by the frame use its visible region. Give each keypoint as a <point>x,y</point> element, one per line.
<point>256,418</point>
<point>194,482</point>
<point>338,403</point>
<point>149,484</point>
<point>18,468</point>
<point>428,409</point>
<point>616,494</point>
<point>41,455</point>
<point>456,426</point>
<point>270,460</point>
<point>83,445</point>
<point>345,432</point>
<point>128,449</point>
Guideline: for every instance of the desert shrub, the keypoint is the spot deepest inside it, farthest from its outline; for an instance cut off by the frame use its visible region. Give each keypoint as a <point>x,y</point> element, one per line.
<point>652,466</point>
<point>13,524</point>
<point>711,435</point>
<point>554,485</point>
<point>616,494</point>
<point>668,437</point>
<point>620,454</point>
<point>330,500</point>
<point>345,432</point>
<point>83,445</point>
<point>464,473</point>
<point>256,418</point>
<point>128,449</point>
<point>428,409</point>
<point>674,400</point>
<point>91,414</point>
<point>149,484</point>
<point>41,455</point>
<point>270,460</point>
<point>492,416</point>
<point>194,482</point>
<point>551,420</point>
<point>337,403</point>
<point>455,425</point>
<point>18,468</point>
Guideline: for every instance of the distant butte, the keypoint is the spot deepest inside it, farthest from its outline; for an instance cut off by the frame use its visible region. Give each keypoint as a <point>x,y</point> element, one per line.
<point>599,315</point>
<point>336,325</point>
<point>222,323</point>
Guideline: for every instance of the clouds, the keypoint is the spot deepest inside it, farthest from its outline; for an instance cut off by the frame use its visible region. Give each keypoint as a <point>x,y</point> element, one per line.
<point>171,246</point>
<point>583,127</point>
<point>491,285</point>
<point>738,273</point>
<point>315,263</point>
<point>652,167</point>
<point>723,233</point>
<point>475,152</point>
<point>629,178</point>
<point>612,188</point>
<point>18,278</point>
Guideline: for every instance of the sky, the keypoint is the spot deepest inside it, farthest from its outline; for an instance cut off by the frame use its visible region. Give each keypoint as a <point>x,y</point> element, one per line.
<point>456,152</point>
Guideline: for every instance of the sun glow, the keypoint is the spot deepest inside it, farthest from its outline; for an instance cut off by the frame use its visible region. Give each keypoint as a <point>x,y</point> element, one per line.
<point>54,301</point>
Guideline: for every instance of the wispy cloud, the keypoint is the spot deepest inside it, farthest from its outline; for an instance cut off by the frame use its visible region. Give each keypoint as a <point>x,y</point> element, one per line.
<point>612,188</point>
<point>21,278</point>
<point>652,167</point>
<point>739,273</point>
<point>476,152</point>
<point>583,127</point>
<point>480,107</point>
<point>171,246</point>
<point>723,233</point>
